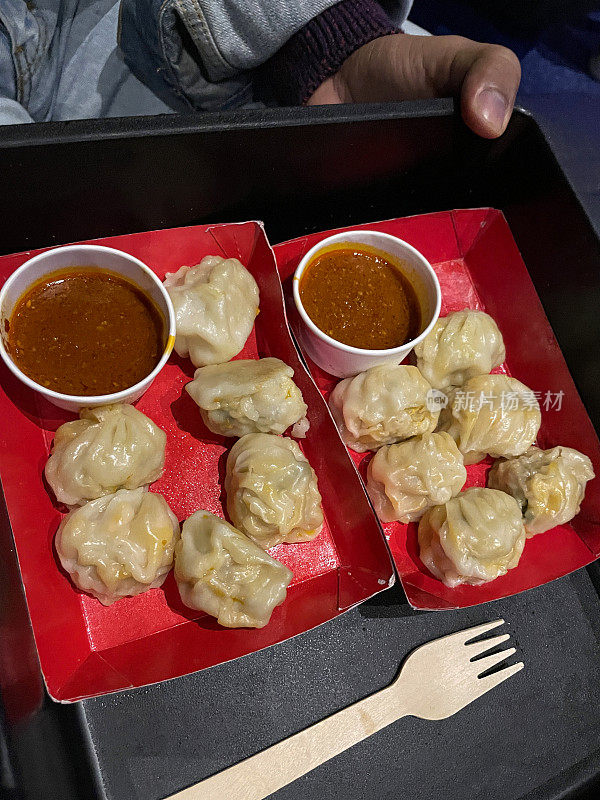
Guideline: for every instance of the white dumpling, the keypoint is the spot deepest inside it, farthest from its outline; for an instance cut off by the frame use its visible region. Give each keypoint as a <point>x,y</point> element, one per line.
<point>272,493</point>
<point>118,545</point>
<point>459,347</point>
<point>492,415</point>
<point>243,397</point>
<point>108,448</point>
<point>549,485</point>
<point>405,479</point>
<point>383,405</point>
<point>474,538</point>
<point>215,305</point>
<point>223,573</point>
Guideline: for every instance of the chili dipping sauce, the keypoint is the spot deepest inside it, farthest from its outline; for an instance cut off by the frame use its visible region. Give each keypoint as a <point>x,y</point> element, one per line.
<point>354,294</point>
<point>86,331</point>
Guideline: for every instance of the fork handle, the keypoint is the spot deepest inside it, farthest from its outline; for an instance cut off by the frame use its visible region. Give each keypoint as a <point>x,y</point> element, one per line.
<point>259,776</point>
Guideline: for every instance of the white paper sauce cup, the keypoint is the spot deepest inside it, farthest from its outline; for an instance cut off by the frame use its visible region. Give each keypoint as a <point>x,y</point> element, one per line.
<point>85,255</point>
<point>343,360</point>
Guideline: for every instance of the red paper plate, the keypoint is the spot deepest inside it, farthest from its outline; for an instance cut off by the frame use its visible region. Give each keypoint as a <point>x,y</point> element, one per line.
<point>479,266</point>
<point>87,649</point>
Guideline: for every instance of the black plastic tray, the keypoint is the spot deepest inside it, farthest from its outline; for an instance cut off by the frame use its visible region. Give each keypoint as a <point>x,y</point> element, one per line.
<point>538,735</point>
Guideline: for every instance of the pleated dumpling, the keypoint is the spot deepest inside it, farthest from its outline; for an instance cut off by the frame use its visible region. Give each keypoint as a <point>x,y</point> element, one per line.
<point>223,573</point>
<point>459,347</point>
<point>108,448</point>
<point>272,493</point>
<point>383,405</point>
<point>474,538</point>
<point>118,545</point>
<point>492,415</point>
<point>248,396</point>
<point>549,485</point>
<point>215,305</point>
<point>405,479</point>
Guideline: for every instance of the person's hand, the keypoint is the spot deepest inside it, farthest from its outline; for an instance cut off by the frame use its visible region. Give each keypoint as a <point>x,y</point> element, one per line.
<point>403,67</point>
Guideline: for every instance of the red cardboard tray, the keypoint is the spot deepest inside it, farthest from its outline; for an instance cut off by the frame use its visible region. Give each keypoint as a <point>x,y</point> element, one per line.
<point>86,649</point>
<point>479,266</point>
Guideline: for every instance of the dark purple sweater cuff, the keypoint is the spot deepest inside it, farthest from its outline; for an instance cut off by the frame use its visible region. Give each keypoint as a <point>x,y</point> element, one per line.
<point>319,49</point>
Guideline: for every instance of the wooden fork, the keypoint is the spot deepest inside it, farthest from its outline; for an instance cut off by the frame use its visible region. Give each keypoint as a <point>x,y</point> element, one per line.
<point>436,680</point>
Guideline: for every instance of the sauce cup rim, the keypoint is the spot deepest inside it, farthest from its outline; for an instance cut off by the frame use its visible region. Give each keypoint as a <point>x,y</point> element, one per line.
<point>342,237</point>
<point>99,399</point>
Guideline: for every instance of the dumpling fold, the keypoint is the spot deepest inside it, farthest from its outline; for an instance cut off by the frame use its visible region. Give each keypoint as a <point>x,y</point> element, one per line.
<point>492,415</point>
<point>110,447</point>
<point>223,573</point>
<point>405,479</point>
<point>460,346</point>
<point>474,538</point>
<point>247,396</point>
<point>383,405</point>
<point>549,485</point>
<point>118,545</point>
<point>215,305</point>
<point>272,493</point>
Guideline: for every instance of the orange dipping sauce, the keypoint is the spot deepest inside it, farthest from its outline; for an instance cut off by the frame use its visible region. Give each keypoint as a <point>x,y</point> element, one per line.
<point>354,294</point>
<point>86,332</point>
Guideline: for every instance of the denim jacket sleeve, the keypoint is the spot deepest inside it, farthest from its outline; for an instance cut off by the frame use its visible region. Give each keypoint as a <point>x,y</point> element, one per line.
<point>202,52</point>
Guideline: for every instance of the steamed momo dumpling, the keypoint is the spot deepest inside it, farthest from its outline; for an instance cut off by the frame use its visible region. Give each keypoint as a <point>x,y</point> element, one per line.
<point>492,415</point>
<point>474,538</point>
<point>215,305</point>
<point>118,545</point>
<point>243,397</point>
<point>223,573</point>
<point>383,405</point>
<point>272,493</point>
<point>405,479</point>
<point>549,485</point>
<point>460,346</point>
<point>108,448</point>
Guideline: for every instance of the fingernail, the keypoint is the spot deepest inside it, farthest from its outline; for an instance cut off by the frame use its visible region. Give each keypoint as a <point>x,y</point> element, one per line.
<point>493,107</point>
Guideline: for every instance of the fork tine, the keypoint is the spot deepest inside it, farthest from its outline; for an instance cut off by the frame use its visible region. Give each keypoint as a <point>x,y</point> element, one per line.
<point>470,633</point>
<point>483,664</point>
<point>485,684</point>
<point>475,648</point>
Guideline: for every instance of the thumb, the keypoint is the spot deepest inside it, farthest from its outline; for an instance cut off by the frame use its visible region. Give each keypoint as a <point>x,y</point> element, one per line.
<point>489,77</point>
<point>403,67</point>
